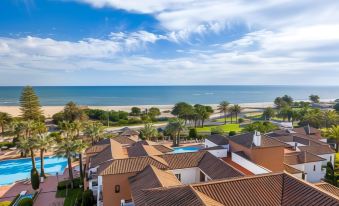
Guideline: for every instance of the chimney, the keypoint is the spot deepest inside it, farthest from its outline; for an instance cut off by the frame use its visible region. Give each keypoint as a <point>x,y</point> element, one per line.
<point>257,138</point>
<point>308,129</point>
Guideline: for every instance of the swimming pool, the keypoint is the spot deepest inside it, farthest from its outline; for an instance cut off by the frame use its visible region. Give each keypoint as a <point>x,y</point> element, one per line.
<point>186,149</point>
<point>19,169</point>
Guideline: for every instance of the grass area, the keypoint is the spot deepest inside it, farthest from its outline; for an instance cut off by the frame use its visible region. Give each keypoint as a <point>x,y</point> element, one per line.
<point>5,203</point>
<point>225,128</point>
<point>228,119</point>
<point>72,195</point>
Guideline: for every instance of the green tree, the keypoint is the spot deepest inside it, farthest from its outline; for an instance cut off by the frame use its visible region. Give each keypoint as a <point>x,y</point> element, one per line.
<point>268,113</point>
<point>94,130</point>
<point>81,146</point>
<point>87,198</point>
<point>182,110</point>
<point>149,131</point>
<point>330,118</point>
<point>314,98</point>
<point>72,112</point>
<point>223,108</point>
<point>336,107</point>
<point>35,179</point>
<point>30,105</point>
<point>263,127</point>
<point>5,120</point>
<point>203,112</point>
<point>330,176</point>
<point>135,111</point>
<point>153,112</point>
<point>235,109</point>
<point>193,134</point>
<point>175,128</point>
<point>333,133</point>
<point>68,147</point>
<point>44,142</point>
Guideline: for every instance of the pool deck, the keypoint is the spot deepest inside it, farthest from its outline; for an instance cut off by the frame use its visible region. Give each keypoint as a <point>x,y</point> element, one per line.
<point>47,193</point>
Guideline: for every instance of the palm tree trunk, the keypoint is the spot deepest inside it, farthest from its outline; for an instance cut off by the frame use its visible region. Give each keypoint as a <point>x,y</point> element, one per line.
<point>42,169</point>
<point>81,169</point>
<point>33,159</point>
<point>231,118</point>
<point>225,117</point>
<point>70,169</point>
<point>2,130</point>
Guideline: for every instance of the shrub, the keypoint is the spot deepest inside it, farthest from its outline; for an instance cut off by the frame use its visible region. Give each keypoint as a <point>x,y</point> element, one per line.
<point>5,203</point>
<point>240,120</point>
<point>25,202</point>
<point>134,121</point>
<point>67,184</point>
<point>7,144</point>
<point>87,198</point>
<point>193,134</point>
<point>58,117</point>
<point>122,122</point>
<point>336,107</point>
<point>232,133</point>
<point>35,179</point>
<point>217,130</point>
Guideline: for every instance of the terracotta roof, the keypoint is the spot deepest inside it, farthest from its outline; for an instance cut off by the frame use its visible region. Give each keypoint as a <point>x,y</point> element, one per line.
<point>124,140</point>
<point>215,168</point>
<point>136,164</point>
<point>291,170</point>
<point>150,177</point>
<point>246,140</point>
<point>138,150</point>
<point>118,152</point>
<point>145,142</point>
<point>300,158</point>
<point>163,148</point>
<point>317,149</point>
<point>274,189</point>
<point>213,148</point>
<point>103,141</point>
<point>329,188</point>
<point>218,139</point>
<point>179,196</point>
<point>183,160</point>
<point>128,132</point>
<point>309,131</point>
<point>101,157</point>
<point>96,149</point>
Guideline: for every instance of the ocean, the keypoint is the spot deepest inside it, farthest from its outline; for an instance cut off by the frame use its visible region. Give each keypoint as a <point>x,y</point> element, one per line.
<point>163,95</point>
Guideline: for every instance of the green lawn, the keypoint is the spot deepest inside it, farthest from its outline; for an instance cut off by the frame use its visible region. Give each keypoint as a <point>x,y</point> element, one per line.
<point>71,196</point>
<point>228,119</point>
<point>226,128</point>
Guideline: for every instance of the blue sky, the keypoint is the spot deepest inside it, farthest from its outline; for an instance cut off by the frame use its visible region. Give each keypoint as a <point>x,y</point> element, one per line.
<point>172,42</point>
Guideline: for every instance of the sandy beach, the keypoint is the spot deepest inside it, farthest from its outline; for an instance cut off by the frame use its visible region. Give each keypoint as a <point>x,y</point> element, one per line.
<point>50,110</point>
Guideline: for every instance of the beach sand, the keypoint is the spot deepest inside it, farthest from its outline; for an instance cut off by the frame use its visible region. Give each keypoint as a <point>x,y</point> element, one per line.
<point>50,110</point>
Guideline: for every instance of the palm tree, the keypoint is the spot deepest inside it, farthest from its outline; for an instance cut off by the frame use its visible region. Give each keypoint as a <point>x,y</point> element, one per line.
<point>149,131</point>
<point>80,148</point>
<point>5,119</point>
<point>223,108</point>
<point>44,142</point>
<point>175,128</point>
<point>28,144</point>
<point>236,109</point>
<point>94,130</point>
<point>330,118</point>
<point>333,133</point>
<point>68,147</point>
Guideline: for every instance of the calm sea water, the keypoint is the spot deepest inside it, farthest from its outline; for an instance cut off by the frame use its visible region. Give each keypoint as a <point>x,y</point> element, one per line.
<point>162,95</point>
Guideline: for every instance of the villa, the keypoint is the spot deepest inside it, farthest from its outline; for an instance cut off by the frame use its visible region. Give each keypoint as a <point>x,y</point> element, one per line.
<point>127,171</point>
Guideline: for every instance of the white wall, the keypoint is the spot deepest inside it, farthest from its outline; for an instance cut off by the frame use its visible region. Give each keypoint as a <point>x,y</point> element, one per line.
<point>209,144</point>
<point>328,157</point>
<point>219,152</point>
<point>311,175</point>
<point>188,175</point>
<point>99,190</point>
<point>250,166</point>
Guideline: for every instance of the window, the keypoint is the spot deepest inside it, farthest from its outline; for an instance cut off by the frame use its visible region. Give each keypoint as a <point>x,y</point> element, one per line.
<point>314,168</point>
<point>117,188</point>
<point>94,183</point>
<point>178,176</point>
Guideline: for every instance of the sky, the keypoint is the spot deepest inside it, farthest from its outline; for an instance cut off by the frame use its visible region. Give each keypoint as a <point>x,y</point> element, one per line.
<point>169,42</point>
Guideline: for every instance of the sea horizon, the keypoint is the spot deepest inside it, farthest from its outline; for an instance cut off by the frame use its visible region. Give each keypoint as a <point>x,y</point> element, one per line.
<point>164,94</point>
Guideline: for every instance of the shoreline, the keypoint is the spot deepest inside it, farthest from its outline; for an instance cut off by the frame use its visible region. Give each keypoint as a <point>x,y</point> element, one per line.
<point>49,111</point>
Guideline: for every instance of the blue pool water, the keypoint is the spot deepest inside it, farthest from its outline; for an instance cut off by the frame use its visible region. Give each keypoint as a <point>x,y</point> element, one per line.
<point>19,169</point>
<point>185,149</point>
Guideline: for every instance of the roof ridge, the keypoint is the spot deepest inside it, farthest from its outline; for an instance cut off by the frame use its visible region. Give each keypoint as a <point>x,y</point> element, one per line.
<point>313,186</point>
<point>201,195</point>
<point>237,178</point>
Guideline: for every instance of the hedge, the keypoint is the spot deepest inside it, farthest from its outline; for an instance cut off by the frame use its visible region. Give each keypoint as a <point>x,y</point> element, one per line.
<point>25,202</point>
<point>67,184</point>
